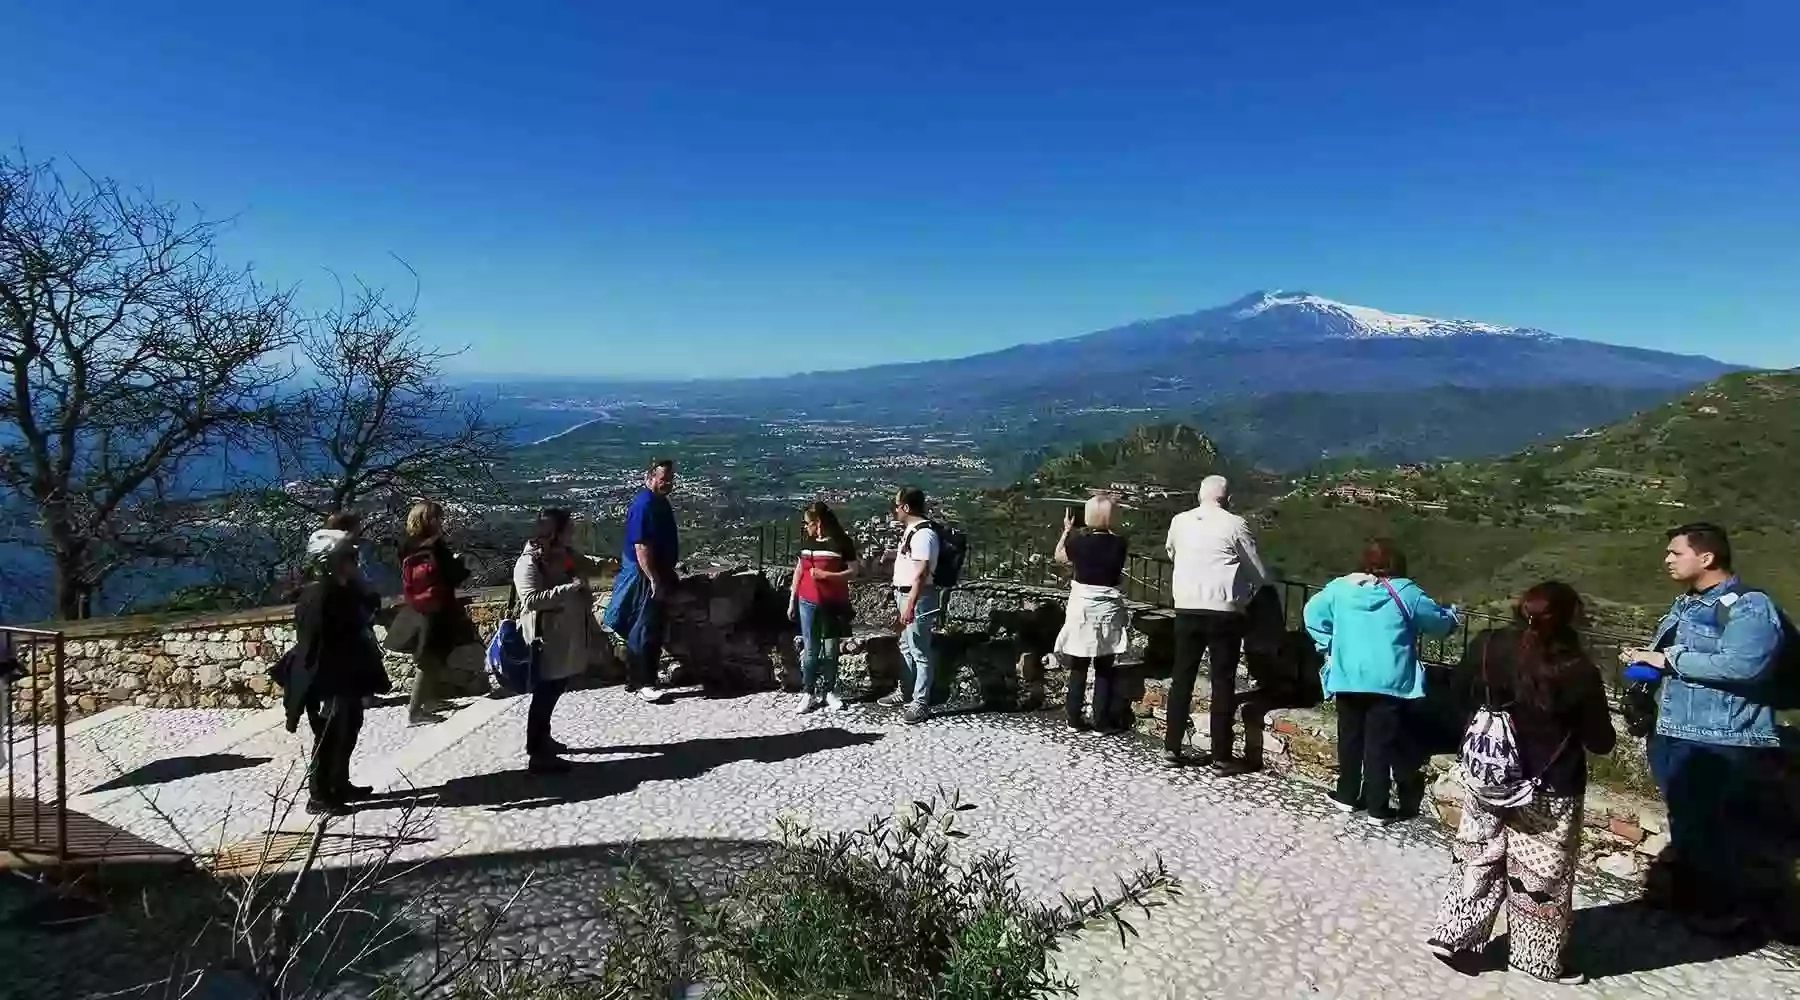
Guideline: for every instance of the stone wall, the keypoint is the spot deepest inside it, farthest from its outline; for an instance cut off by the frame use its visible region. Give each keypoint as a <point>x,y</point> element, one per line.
<point>219,661</point>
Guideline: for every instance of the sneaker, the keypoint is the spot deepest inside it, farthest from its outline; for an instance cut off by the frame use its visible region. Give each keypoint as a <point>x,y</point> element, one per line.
<point>1384,817</point>
<point>1175,758</point>
<point>1079,724</point>
<point>895,700</point>
<point>1342,805</point>
<point>834,703</point>
<point>353,792</point>
<point>1464,962</point>
<point>424,719</point>
<point>806,704</point>
<point>651,695</point>
<point>548,764</point>
<point>1571,979</point>
<point>915,714</point>
<point>319,807</point>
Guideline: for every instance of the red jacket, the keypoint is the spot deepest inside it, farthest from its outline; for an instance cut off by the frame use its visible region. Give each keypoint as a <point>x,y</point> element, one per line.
<point>821,591</point>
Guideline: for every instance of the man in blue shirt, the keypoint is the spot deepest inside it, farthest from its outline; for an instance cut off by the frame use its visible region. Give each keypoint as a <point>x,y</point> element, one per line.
<point>646,579</point>
<point>1716,649</point>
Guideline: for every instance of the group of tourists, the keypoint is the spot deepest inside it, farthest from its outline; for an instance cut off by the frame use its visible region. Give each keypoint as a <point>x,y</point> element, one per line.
<point>337,665</point>
<point>1530,700</point>
<point>1533,700</point>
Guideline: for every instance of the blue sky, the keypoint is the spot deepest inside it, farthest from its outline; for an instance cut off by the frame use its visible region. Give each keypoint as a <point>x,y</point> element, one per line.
<point>708,189</point>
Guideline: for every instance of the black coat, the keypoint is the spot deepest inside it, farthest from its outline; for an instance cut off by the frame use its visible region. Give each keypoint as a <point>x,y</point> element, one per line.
<point>335,654</point>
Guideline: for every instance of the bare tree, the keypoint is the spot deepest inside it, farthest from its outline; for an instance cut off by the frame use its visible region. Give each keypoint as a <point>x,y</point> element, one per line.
<point>131,359</point>
<point>375,425</point>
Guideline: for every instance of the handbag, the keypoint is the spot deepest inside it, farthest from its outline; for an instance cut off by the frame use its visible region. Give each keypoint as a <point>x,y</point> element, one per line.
<point>512,659</point>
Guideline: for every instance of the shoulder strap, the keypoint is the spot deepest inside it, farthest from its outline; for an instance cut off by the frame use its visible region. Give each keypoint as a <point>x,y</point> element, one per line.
<point>1405,612</point>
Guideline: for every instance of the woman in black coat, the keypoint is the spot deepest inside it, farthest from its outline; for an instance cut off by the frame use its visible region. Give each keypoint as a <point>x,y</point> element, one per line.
<point>335,665</point>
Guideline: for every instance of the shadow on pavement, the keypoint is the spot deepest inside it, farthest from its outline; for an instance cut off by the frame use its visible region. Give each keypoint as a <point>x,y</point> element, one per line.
<point>176,768</point>
<point>1619,939</point>
<point>135,929</point>
<point>589,780</point>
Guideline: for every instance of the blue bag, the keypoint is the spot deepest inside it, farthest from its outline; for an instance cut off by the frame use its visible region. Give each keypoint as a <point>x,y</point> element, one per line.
<point>512,661</point>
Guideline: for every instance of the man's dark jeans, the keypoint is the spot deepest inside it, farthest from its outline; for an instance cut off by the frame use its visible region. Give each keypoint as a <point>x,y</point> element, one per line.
<point>1219,635</point>
<point>1705,786</point>
<point>336,723</point>
<point>1376,753</point>
<point>544,696</point>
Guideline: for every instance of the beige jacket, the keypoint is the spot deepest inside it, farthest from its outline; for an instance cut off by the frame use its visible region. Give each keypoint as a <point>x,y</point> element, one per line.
<point>1217,567</point>
<point>555,605</point>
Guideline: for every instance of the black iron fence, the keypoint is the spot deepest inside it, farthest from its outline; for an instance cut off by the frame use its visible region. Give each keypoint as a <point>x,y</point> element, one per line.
<point>1148,580</point>
<point>33,721</point>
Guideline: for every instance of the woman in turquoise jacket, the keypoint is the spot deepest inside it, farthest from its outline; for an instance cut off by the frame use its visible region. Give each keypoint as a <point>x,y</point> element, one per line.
<point>1368,625</point>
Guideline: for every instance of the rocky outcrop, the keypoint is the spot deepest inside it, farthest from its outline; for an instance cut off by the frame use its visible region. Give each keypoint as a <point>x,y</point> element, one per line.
<point>729,633</point>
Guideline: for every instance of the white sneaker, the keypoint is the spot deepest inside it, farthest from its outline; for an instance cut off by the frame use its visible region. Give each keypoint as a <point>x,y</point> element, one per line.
<point>651,695</point>
<point>807,703</point>
<point>833,702</point>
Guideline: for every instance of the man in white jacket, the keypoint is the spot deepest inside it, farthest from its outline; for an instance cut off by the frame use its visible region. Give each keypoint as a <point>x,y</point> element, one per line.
<point>1217,571</point>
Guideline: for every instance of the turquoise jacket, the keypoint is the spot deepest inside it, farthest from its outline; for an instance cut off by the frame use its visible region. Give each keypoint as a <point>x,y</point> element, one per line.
<point>1370,645</point>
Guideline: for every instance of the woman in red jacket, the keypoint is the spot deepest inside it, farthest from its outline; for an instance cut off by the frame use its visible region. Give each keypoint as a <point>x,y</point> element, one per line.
<point>820,601</point>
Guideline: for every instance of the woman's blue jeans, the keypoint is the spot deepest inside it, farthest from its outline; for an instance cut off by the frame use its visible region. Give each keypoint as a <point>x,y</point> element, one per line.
<point>819,658</point>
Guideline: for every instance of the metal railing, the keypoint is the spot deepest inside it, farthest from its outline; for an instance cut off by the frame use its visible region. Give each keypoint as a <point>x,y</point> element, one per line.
<point>1149,579</point>
<point>37,801</point>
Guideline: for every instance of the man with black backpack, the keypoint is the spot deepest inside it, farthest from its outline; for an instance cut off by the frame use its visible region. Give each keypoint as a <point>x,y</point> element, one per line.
<point>1720,652</point>
<point>926,564</point>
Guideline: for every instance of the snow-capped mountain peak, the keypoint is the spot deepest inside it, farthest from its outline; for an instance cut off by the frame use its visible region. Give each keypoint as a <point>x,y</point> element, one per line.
<point>1340,320</point>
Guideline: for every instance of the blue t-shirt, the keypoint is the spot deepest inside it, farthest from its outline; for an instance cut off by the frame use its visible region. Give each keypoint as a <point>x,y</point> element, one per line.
<point>652,522</point>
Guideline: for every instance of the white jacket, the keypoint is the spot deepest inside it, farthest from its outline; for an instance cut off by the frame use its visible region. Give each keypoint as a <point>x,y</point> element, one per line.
<point>1216,564</point>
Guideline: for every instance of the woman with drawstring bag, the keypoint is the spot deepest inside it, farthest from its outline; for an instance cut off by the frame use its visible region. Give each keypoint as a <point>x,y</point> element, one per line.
<point>1523,766</point>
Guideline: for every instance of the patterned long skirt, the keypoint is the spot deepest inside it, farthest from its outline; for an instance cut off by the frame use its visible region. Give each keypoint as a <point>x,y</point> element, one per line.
<point>1522,859</point>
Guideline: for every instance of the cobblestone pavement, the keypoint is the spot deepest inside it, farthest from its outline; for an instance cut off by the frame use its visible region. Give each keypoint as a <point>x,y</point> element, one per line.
<point>1283,896</point>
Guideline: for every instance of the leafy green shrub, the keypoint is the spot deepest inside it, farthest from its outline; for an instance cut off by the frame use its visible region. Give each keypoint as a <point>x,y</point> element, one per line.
<point>892,911</point>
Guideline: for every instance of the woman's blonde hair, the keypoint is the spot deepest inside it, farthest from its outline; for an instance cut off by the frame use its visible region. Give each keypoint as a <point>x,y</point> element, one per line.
<point>1099,512</point>
<point>425,519</point>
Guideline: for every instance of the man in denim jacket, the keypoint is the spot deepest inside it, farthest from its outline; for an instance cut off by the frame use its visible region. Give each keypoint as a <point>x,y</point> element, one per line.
<point>1716,648</point>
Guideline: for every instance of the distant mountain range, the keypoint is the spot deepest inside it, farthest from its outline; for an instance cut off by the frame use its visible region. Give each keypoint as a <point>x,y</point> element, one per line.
<point>1259,373</point>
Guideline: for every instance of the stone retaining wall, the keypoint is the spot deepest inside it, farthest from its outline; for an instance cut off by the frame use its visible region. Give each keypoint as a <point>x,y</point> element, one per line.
<point>216,661</point>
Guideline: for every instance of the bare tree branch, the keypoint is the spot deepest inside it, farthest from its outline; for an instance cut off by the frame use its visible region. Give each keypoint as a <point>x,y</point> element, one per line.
<point>129,357</point>
<point>375,428</point>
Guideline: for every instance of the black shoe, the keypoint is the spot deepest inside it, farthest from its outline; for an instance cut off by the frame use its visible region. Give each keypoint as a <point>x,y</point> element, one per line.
<point>351,793</point>
<point>1175,758</point>
<point>548,764</point>
<point>556,747</point>
<point>1229,767</point>
<point>1079,724</point>
<point>319,807</point>
<point>1343,805</point>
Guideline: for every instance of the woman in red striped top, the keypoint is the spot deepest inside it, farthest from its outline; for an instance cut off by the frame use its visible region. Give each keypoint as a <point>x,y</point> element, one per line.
<point>820,601</point>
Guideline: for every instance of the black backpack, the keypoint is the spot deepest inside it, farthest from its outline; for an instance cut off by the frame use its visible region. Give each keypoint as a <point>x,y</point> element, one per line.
<point>1781,689</point>
<point>953,549</point>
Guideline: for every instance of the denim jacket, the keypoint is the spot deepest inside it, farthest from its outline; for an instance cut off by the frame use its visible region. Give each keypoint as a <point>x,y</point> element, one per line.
<point>1710,694</point>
